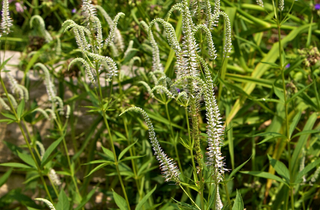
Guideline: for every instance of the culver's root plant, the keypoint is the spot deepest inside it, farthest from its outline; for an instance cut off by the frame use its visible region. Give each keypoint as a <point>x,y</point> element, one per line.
<point>193,82</point>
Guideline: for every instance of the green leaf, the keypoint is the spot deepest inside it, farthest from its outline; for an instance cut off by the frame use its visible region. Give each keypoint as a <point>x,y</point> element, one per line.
<point>142,169</point>
<point>4,63</point>
<point>238,203</point>
<point>298,93</point>
<point>279,93</point>
<point>100,166</point>
<point>265,175</point>
<point>27,159</point>
<point>306,132</point>
<point>5,120</point>
<point>63,202</point>
<point>301,142</point>
<point>280,168</point>
<point>16,165</point>
<point>108,152</point>
<point>120,201</point>
<point>294,122</point>
<point>85,199</point>
<point>125,150</point>
<point>20,109</point>
<point>5,177</point>
<point>308,168</point>
<point>10,116</point>
<point>50,149</point>
<point>144,199</point>
<point>237,169</point>
<point>270,136</point>
<point>130,158</point>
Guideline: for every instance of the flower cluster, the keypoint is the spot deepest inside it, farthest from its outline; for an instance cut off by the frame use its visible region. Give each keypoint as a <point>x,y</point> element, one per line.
<point>6,21</point>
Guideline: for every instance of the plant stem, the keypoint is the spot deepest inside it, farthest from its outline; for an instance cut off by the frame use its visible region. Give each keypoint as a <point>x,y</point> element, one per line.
<point>189,196</point>
<point>116,163</point>
<point>173,139</point>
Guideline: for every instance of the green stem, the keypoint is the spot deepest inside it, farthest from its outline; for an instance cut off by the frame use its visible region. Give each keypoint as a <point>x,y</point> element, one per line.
<point>287,132</point>
<point>189,196</point>
<point>68,158</point>
<point>35,161</point>
<point>116,163</point>
<point>173,139</point>
<point>133,162</point>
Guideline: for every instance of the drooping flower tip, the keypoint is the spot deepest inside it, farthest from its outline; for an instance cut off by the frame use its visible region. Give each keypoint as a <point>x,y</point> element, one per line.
<point>288,65</point>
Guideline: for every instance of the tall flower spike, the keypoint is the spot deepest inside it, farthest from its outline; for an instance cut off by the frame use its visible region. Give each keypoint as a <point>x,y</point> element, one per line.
<point>17,88</point>
<point>170,33</point>
<point>228,42</point>
<point>88,10</point>
<point>4,105</point>
<point>113,29</point>
<point>211,48</point>
<point>156,63</point>
<point>13,100</point>
<point>42,27</point>
<point>47,81</point>
<point>6,21</point>
<point>167,165</point>
<point>88,70</point>
<point>54,177</point>
<point>107,62</point>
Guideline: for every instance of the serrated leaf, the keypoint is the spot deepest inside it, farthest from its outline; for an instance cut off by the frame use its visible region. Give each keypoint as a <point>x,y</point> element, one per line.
<point>125,150</point>
<point>63,201</point>
<point>120,201</point>
<point>238,203</point>
<point>145,198</point>
<point>50,149</point>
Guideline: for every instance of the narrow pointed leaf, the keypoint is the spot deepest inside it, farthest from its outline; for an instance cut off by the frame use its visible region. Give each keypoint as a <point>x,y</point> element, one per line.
<point>120,201</point>
<point>144,199</point>
<point>265,175</point>
<point>238,203</point>
<point>125,150</point>
<point>50,149</point>
<point>280,168</point>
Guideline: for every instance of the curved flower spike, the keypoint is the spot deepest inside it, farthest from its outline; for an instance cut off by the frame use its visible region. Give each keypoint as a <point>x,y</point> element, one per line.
<point>50,205</point>
<point>167,165</point>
